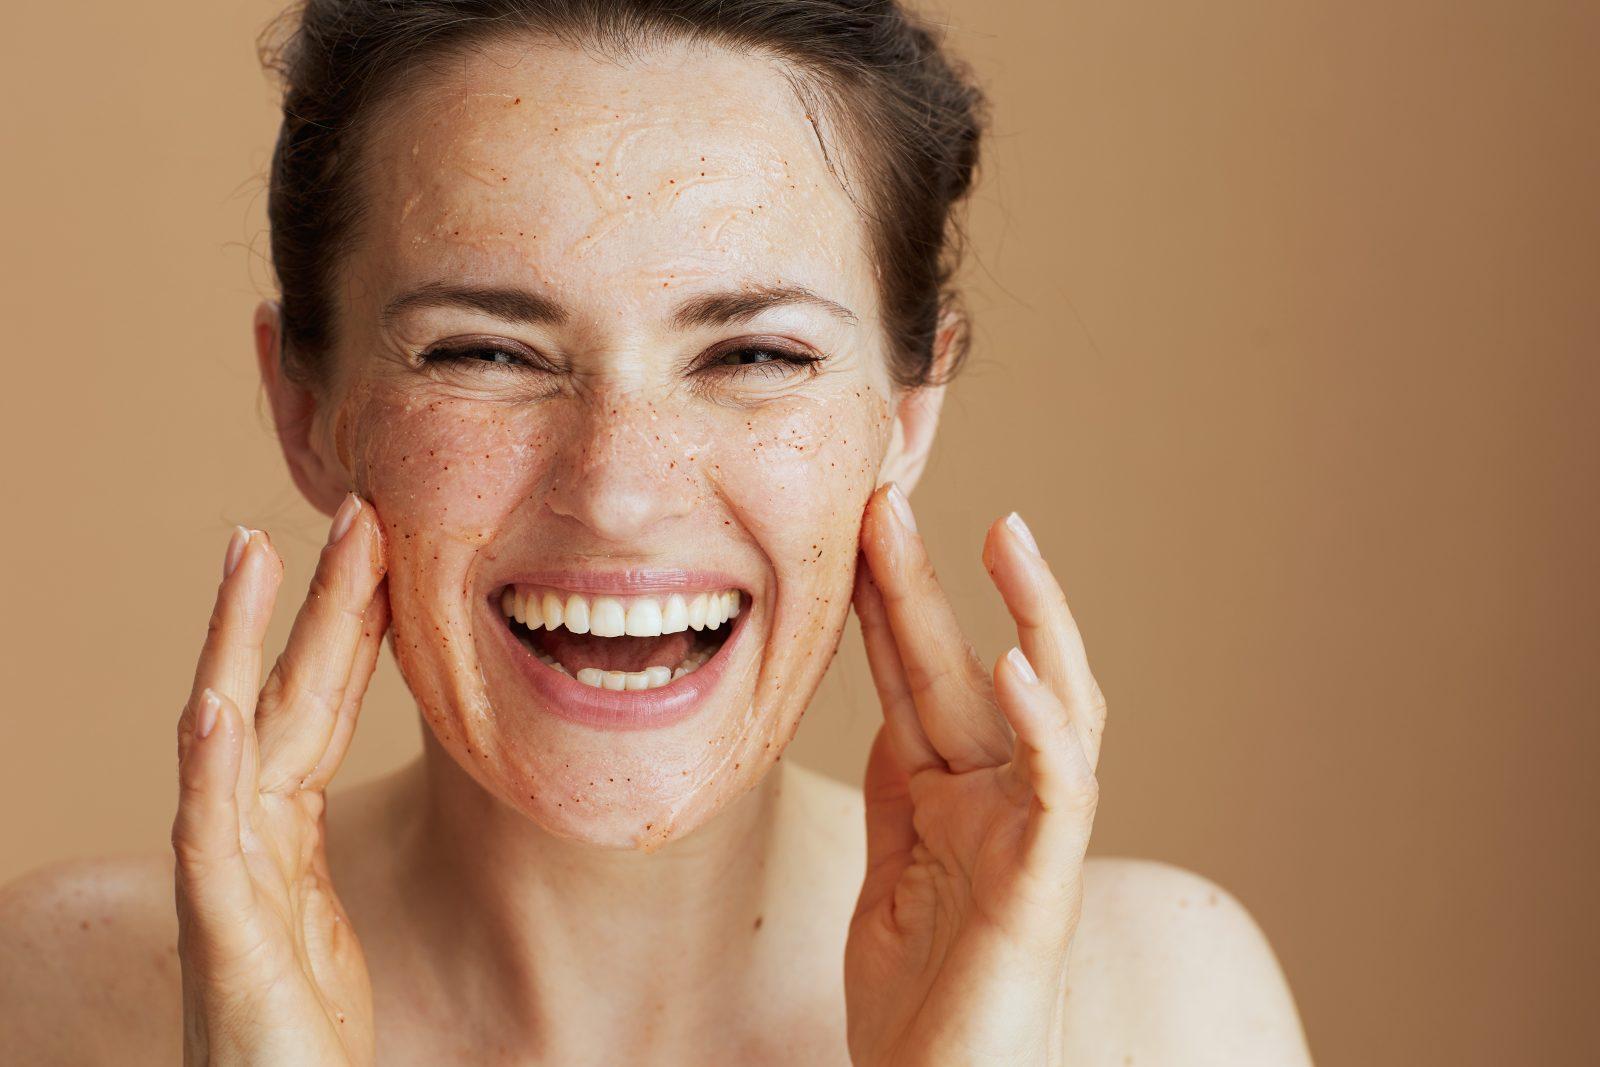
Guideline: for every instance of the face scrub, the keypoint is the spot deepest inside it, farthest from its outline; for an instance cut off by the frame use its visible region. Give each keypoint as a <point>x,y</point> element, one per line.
<point>613,376</point>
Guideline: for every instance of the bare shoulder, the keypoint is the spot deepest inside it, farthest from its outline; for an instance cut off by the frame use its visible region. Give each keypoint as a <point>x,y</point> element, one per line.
<point>1168,967</point>
<point>89,963</point>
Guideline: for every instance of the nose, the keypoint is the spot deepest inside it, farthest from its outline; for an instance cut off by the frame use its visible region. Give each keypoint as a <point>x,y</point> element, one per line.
<point>624,469</point>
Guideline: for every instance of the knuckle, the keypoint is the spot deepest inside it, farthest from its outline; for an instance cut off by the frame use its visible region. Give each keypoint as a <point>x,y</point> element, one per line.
<point>324,585</point>
<point>1084,794</point>
<point>192,860</point>
<point>332,585</point>
<point>925,679</point>
<point>216,625</point>
<point>294,685</point>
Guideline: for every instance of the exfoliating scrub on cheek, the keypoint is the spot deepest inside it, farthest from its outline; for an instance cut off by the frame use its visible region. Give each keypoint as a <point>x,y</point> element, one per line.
<point>621,502</point>
<point>467,486</point>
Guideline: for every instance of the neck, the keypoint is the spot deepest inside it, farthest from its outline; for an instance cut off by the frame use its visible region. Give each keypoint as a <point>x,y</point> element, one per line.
<point>583,940</point>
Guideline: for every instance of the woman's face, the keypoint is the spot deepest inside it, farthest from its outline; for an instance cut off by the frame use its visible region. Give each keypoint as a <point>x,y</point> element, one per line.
<point>610,352</point>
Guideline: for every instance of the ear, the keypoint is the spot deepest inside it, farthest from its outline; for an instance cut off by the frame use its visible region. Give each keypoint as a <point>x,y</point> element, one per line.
<point>294,416</point>
<point>916,417</point>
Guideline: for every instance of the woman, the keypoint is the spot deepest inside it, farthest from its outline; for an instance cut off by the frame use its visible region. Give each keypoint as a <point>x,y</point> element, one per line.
<point>611,336</point>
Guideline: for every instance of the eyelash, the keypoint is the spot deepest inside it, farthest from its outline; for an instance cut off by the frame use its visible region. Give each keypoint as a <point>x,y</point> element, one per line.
<point>467,353</point>
<point>780,361</point>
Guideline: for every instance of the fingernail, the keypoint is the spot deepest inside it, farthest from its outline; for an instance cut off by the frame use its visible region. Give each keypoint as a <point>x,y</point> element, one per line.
<point>902,507</point>
<point>344,517</point>
<point>1020,664</point>
<point>210,706</point>
<point>1015,524</point>
<point>236,546</point>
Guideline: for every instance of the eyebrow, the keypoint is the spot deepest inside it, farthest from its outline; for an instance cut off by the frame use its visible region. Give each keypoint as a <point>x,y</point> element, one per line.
<point>532,309</point>
<point>512,305</point>
<point>715,309</point>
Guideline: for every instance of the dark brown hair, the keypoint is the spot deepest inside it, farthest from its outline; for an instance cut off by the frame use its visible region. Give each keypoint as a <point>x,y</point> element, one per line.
<point>912,118</point>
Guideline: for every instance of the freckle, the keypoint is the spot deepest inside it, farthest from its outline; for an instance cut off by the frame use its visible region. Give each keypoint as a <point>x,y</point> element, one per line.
<point>83,924</point>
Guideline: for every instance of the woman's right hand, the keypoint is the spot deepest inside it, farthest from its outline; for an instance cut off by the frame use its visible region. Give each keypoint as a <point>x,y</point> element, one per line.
<point>272,971</point>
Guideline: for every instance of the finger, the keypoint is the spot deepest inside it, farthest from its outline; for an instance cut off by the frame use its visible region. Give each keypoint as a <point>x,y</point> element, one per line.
<point>366,661</point>
<point>949,686</point>
<point>905,735</point>
<point>230,659</point>
<point>1048,763</point>
<point>302,697</point>
<point>890,833</point>
<point>214,883</point>
<point>1046,630</point>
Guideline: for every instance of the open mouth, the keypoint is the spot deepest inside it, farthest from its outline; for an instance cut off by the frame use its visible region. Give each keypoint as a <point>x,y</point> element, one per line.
<point>621,643</point>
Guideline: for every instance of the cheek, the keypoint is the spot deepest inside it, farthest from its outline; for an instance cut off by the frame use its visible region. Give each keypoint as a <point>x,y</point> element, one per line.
<point>798,479</point>
<point>443,473</point>
<point>447,470</point>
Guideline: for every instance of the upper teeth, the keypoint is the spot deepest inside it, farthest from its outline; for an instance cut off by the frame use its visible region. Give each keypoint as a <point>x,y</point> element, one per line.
<point>609,616</point>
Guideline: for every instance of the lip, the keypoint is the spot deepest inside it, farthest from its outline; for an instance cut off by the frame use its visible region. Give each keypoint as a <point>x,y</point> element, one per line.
<point>627,582</point>
<point>620,709</point>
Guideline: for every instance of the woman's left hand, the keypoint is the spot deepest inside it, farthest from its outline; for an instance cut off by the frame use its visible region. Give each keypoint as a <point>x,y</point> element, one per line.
<point>980,795</point>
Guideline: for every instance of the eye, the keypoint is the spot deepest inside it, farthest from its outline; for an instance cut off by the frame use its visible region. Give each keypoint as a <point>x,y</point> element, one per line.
<point>470,354</point>
<point>766,359</point>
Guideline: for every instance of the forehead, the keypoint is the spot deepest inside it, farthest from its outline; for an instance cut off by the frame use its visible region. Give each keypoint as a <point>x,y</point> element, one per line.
<point>653,172</point>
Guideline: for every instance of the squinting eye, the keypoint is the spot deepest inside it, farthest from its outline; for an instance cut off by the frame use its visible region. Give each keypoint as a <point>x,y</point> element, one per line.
<point>743,357</point>
<point>474,354</point>
<point>762,359</point>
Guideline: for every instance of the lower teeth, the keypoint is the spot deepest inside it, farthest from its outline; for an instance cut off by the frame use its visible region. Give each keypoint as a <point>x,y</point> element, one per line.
<point>649,678</point>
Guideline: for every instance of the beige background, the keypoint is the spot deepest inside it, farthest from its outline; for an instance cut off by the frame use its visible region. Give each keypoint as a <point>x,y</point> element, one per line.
<point>1287,336</point>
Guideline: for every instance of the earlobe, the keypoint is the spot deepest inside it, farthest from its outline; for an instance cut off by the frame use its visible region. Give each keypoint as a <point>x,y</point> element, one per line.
<point>294,415</point>
<point>916,418</point>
